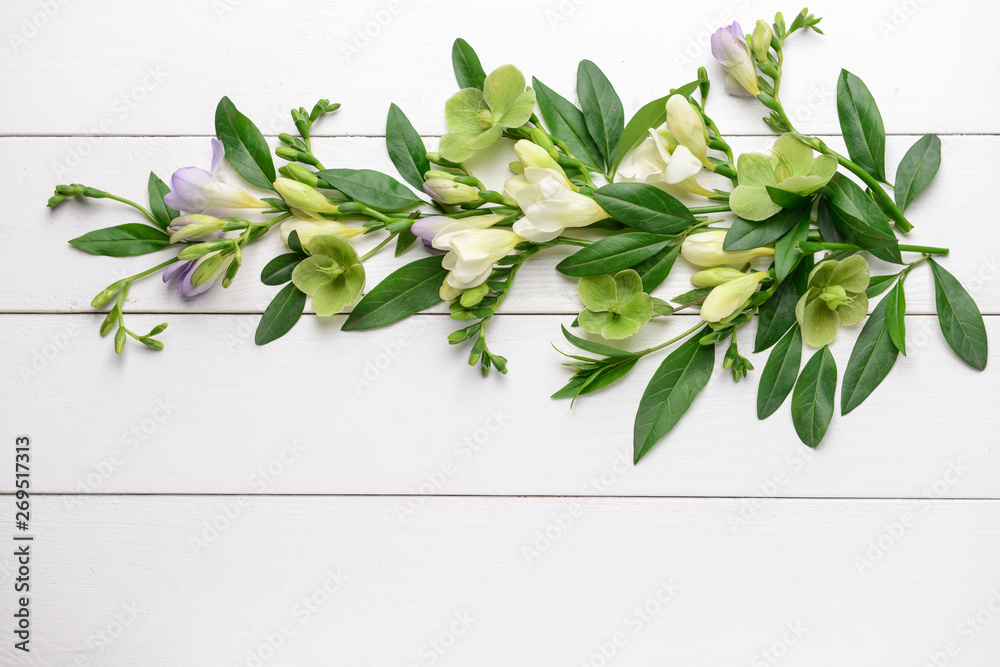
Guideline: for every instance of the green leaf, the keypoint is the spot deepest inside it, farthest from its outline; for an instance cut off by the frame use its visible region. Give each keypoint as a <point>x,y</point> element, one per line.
<point>406,148</point>
<point>860,220</point>
<point>566,122</point>
<point>917,169</point>
<point>246,150</point>
<point>163,213</point>
<point>370,187</point>
<point>681,376</point>
<point>777,314</point>
<point>812,399</point>
<point>871,360</point>
<point>122,241</point>
<point>406,291</point>
<point>649,116</point>
<point>588,383</point>
<point>613,254</point>
<point>879,284</point>
<point>786,199</point>
<point>404,240</point>
<point>786,250</point>
<point>644,207</point>
<point>594,347</point>
<point>281,314</point>
<point>896,316</point>
<point>778,377</point>
<point>602,109</point>
<point>654,270</point>
<point>696,294</point>
<point>468,70</point>
<point>747,235</point>
<point>279,270</point>
<point>294,243</point>
<point>861,124</point>
<point>824,221</point>
<point>960,319</point>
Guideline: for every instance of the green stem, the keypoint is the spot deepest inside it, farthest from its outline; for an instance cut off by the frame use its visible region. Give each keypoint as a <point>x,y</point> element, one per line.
<point>372,213</point>
<point>808,246</point>
<point>378,247</point>
<point>139,276</point>
<point>569,240</point>
<point>718,208</point>
<point>687,333</point>
<point>140,208</point>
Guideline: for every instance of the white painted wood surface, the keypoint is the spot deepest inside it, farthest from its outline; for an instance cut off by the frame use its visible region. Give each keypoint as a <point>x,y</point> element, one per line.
<point>341,453</point>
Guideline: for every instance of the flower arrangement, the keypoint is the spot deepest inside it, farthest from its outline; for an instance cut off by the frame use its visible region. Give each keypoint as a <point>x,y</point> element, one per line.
<point>793,256</point>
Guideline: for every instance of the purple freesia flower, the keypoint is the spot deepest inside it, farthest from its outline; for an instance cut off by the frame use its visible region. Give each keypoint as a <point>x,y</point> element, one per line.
<point>730,48</point>
<point>194,190</point>
<point>185,272</point>
<point>427,228</point>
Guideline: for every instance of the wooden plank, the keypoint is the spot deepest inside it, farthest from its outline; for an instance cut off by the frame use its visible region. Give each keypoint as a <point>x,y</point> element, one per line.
<point>224,580</point>
<point>35,236</point>
<point>104,72</point>
<point>397,411</point>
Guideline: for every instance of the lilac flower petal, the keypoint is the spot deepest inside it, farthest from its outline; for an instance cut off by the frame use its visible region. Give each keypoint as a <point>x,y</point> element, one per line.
<point>173,270</point>
<point>188,186</point>
<point>734,29</point>
<point>218,155</point>
<point>184,285</point>
<point>427,228</point>
<point>431,249</point>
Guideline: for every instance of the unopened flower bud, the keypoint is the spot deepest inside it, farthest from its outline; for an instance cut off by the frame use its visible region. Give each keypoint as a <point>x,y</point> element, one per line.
<point>109,292</point>
<point>55,200</point>
<point>299,173</point>
<point>195,226</point>
<point>687,126</point>
<point>715,276</point>
<point>761,41</point>
<point>473,296</point>
<point>729,298</point>
<point>448,191</point>
<point>516,167</point>
<point>303,197</point>
<point>705,249</point>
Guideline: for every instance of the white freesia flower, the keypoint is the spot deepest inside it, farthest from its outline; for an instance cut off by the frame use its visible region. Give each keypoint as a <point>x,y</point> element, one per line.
<point>705,249</point>
<point>549,204</point>
<point>687,126</point>
<point>653,163</point>
<point>471,253</point>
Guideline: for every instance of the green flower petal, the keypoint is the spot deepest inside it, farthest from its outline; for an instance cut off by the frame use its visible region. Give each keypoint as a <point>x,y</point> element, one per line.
<point>462,110</point>
<point>855,311</point>
<point>751,202</point>
<point>487,138</point>
<point>802,185</point>
<point>336,248</point>
<point>756,169</point>
<point>502,88</point>
<point>851,274</point>
<point>628,284</point>
<point>794,158</point>
<point>639,309</point>
<point>821,273</point>
<point>620,327</point>
<point>354,279</point>
<point>597,292</point>
<point>594,322</point>
<point>520,111</point>
<point>331,298</point>
<point>455,146</point>
<point>824,166</point>
<point>820,324</point>
<point>309,276</point>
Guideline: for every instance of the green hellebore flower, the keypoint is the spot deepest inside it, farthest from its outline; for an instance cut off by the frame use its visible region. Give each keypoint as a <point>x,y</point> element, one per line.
<point>616,306</point>
<point>477,118</point>
<point>836,296</point>
<point>332,274</point>
<point>791,167</point>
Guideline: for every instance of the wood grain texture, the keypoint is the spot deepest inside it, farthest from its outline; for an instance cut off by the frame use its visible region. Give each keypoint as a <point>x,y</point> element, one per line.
<point>946,214</point>
<point>338,581</point>
<point>397,410</point>
<point>132,74</point>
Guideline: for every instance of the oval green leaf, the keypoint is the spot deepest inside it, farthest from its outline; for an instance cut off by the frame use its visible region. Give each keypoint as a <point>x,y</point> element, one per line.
<point>279,270</point>
<point>281,314</point>
<point>861,123</point>
<point>468,70</point>
<point>406,148</point>
<point>370,187</point>
<point>122,241</point>
<point>780,371</point>
<point>960,319</point>
<point>916,170</point>
<point>644,207</point>
<point>613,254</point>
<point>602,109</point>
<point>566,122</point>
<point>246,150</point>
<point>404,292</point>
<point>871,360</point>
<point>812,398</point>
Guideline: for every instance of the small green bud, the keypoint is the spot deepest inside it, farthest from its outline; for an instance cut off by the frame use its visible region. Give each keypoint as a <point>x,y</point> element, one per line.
<point>516,167</point>
<point>473,296</point>
<point>543,140</point>
<point>227,280</point>
<point>704,83</point>
<point>350,207</point>
<point>768,101</point>
<point>109,321</point>
<point>94,193</point>
<point>109,292</point>
<point>55,200</point>
<point>195,251</point>
<point>151,343</point>
<point>434,173</point>
<point>491,196</point>
<point>159,328</point>
<point>462,315</point>
<point>715,276</point>
<point>119,340</point>
<point>301,174</point>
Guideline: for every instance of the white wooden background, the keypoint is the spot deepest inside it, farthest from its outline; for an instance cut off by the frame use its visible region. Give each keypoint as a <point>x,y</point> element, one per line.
<point>366,499</point>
